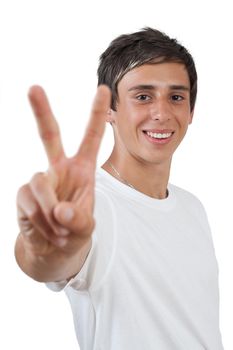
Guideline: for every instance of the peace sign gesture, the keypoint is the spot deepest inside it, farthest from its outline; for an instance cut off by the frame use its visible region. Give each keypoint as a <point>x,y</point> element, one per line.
<point>55,209</point>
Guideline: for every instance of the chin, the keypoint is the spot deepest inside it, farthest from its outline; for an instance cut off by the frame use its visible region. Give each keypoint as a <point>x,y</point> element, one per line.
<point>156,161</point>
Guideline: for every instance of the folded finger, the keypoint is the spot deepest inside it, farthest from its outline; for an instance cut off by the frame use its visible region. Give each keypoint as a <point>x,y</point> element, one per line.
<point>47,200</point>
<point>30,216</point>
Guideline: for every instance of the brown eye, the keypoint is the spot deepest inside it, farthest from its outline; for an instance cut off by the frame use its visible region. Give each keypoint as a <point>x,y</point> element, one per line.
<point>177,98</point>
<point>143,97</point>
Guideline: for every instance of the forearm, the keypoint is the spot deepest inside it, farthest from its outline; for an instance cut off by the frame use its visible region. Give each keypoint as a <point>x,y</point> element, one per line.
<point>51,267</point>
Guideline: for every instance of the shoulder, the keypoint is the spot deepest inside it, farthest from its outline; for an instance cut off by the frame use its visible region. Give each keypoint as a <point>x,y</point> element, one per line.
<point>184,194</point>
<point>188,200</point>
<point>107,187</point>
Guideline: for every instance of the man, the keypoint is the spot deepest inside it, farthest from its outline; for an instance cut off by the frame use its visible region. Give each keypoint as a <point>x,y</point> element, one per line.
<point>133,253</point>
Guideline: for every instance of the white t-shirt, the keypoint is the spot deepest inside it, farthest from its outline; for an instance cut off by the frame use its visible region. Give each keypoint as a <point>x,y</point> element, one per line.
<point>150,280</point>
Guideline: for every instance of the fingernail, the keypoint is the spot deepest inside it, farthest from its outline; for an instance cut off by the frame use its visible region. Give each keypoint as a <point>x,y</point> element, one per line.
<point>63,231</point>
<point>61,242</point>
<point>68,214</point>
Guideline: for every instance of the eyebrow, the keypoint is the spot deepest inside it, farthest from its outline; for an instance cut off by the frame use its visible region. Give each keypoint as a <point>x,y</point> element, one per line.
<point>153,87</point>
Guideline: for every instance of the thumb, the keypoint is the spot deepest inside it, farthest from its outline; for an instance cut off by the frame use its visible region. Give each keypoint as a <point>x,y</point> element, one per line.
<point>75,219</point>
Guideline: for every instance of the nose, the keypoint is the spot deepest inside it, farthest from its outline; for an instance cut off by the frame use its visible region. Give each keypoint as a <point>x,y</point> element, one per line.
<point>160,111</point>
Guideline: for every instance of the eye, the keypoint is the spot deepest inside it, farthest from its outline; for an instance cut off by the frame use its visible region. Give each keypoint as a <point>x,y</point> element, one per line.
<point>177,98</point>
<point>143,97</point>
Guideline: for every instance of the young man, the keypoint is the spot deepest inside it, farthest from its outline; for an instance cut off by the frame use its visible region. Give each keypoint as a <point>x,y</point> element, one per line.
<point>133,253</point>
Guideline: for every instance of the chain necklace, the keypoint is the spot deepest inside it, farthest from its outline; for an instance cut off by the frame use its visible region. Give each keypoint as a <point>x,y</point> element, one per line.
<point>120,177</point>
<point>126,182</point>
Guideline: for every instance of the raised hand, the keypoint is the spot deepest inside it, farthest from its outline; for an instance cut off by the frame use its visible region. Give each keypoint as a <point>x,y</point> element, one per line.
<point>55,209</point>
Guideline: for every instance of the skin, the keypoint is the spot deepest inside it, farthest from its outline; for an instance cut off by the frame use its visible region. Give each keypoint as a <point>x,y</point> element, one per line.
<point>55,209</point>
<point>150,97</point>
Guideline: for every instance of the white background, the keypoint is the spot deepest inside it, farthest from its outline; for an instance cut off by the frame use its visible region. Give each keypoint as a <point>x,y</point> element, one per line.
<point>56,43</point>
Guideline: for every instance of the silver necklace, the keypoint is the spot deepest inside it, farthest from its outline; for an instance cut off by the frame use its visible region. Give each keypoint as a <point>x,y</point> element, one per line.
<point>126,182</point>
<point>120,177</point>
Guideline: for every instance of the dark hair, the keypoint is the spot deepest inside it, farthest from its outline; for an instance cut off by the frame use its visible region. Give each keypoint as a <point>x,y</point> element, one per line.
<point>146,46</point>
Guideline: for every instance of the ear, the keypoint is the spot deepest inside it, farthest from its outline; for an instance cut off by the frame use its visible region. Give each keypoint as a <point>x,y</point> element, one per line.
<point>110,117</point>
<point>191,117</point>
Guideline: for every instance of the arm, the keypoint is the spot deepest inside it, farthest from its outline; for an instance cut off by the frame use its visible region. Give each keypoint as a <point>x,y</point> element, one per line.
<point>55,209</point>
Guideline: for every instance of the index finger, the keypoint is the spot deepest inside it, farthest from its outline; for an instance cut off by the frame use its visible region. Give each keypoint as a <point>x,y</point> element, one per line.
<point>47,124</point>
<point>95,129</point>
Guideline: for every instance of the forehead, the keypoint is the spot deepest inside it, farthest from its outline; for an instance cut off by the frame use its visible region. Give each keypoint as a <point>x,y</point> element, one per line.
<point>157,74</point>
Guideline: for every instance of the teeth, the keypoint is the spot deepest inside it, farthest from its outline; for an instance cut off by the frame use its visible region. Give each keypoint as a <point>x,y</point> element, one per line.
<point>158,135</point>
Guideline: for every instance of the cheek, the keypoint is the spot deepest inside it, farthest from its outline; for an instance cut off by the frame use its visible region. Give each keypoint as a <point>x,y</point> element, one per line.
<point>137,114</point>
<point>130,117</point>
<point>184,119</point>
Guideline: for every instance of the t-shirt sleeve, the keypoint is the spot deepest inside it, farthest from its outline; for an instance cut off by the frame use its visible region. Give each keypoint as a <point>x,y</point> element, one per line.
<point>100,257</point>
<point>204,221</point>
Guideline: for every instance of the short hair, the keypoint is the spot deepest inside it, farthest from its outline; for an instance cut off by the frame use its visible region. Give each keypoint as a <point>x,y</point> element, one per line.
<point>148,45</point>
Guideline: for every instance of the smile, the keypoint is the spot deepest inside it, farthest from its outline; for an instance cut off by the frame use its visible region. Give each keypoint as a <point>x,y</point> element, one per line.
<point>159,137</point>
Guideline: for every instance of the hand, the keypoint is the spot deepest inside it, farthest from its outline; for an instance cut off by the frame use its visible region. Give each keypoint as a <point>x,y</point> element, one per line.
<point>55,209</point>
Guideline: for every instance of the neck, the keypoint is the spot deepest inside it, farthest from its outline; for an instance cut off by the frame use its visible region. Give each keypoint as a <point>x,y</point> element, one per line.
<point>148,178</point>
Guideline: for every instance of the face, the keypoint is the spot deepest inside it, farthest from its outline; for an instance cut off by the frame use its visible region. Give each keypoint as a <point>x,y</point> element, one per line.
<point>152,113</point>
